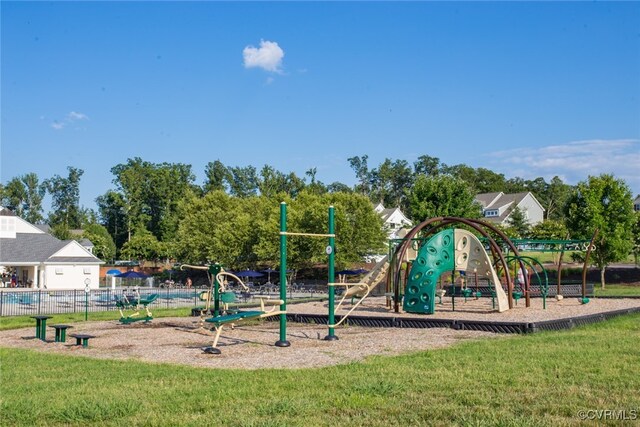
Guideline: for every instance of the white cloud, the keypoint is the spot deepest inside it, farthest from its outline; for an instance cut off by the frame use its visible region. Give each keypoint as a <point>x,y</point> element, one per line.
<point>575,161</point>
<point>268,56</point>
<point>72,117</point>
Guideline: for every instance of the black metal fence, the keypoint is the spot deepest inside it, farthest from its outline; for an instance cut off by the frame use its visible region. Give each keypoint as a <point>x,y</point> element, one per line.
<point>21,302</point>
<point>43,301</point>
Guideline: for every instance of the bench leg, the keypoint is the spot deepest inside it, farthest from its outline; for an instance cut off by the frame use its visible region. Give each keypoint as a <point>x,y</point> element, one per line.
<point>38,328</point>
<point>85,342</point>
<point>78,341</point>
<point>43,330</point>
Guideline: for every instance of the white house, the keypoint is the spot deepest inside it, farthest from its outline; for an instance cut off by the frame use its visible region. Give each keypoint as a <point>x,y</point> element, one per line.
<point>39,260</point>
<point>497,207</point>
<point>394,220</point>
<point>636,204</point>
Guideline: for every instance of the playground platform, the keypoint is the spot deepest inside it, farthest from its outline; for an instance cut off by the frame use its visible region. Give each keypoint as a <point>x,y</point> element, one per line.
<point>475,314</point>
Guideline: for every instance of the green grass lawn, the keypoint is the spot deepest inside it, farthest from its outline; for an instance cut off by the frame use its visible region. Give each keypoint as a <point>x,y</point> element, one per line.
<point>540,379</point>
<point>617,290</point>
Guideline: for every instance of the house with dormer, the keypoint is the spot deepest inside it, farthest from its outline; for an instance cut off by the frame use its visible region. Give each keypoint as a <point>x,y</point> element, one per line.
<point>36,259</point>
<point>497,207</point>
<point>394,220</point>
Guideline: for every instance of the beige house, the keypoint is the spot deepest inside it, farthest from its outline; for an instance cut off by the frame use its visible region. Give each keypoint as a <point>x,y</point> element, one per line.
<point>39,260</point>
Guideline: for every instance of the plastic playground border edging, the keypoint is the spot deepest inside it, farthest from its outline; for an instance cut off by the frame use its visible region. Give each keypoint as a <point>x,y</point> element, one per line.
<point>468,325</point>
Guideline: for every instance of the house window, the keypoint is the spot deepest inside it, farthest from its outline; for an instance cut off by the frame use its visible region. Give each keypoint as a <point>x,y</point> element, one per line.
<point>7,224</point>
<point>636,207</point>
<point>492,212</point>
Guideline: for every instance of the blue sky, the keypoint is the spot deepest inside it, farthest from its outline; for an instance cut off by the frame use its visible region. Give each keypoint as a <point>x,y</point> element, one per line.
<point>525,89</point>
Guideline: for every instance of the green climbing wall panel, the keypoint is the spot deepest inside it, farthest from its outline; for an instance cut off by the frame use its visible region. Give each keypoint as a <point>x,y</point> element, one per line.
<point>434,258</point>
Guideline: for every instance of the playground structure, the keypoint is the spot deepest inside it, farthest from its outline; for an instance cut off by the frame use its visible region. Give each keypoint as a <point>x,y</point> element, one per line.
<point>420,259</point>
<point>135,303</point>
<point>414,268</point>
<point>219,296</point>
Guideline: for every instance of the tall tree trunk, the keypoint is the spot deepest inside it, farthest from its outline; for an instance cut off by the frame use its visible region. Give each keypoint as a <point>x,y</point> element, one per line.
<point>602,277</point>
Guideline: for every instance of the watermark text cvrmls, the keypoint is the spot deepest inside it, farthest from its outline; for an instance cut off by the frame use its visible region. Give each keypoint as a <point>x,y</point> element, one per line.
<point>609,414</point>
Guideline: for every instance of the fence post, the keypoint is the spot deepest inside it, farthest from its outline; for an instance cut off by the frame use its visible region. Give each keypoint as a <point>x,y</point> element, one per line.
<point>39,300</point>
<point>1,301</point>
<point>75,299</point>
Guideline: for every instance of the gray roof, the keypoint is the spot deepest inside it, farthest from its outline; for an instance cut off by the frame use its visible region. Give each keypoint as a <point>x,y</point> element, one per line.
<point>6,212</point>
<point>33,248</point>
<point>43,227</point>
<point>86,243</point>
<point>485,200</point>
<point>386,213</point>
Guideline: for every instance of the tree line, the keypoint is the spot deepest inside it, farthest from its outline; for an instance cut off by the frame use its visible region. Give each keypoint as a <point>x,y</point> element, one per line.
<point>157,211</point>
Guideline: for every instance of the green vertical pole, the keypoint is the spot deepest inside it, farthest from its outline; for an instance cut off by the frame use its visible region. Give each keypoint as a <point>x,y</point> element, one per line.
<point>331,251</point>
<point>214,269</point>
<point>282,342</point>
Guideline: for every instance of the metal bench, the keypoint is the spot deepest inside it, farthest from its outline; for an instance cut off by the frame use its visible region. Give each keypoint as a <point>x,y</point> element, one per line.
<point>61,332</point>
<point>82,339</point>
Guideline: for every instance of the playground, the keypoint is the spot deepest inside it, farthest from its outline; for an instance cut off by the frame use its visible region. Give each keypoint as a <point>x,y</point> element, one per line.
<point>180,340</point>
<point>451,285</point>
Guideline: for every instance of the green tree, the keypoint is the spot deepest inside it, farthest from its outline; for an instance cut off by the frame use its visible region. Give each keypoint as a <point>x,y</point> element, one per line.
<point>150,194</point>
<point>441,195</point>
<point>14,196</point>
<point>104,246</point>
<point>217,177</point>
<point>112,214</point>
<point>272,182</point>
<point>389,182</point>
<point>519,223</point>
<point>34,192</point>
<point>636,238</point>
<point>338,187</point>
<point>314,185</point>
<point>142,246</point>
<point>426,165</point>
<point>549,230</point>
<point>602,203</point>
<point>243,181</point>
<point>214,228</point>
<point>360,167</point>
<point>65,199</point>
<point>556,198</point>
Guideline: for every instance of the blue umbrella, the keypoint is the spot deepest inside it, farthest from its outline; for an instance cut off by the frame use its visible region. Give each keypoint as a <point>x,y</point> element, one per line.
<point>132,275</point>
<point>249,273</point>
<point>347,272</point>
<point>113,272</point>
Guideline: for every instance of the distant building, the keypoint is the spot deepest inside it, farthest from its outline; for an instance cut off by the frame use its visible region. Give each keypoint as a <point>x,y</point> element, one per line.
<point>40,260</point>
<point>636,204</point>
<point>394,220</point>
<point>497,207</point>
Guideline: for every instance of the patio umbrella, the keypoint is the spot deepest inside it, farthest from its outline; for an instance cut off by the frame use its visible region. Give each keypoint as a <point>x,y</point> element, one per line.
<point>113,272</point>
<point>249,273</point>
<point>347,272</point>
<point>132,275</point>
